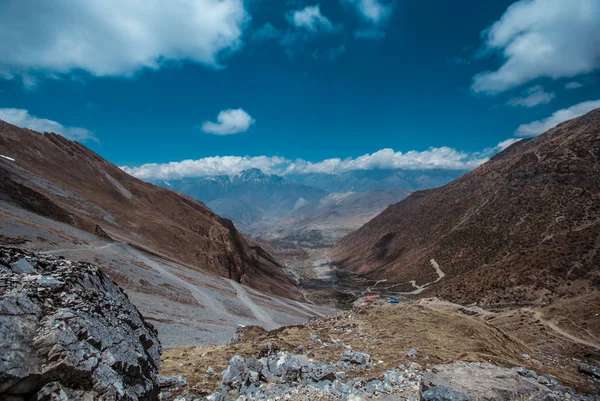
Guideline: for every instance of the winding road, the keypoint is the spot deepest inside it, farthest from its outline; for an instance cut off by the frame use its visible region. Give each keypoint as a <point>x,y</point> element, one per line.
<point>420,288</point>
<point>548,323</point>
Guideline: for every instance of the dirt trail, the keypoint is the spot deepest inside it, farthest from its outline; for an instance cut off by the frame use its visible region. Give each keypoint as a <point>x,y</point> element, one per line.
<point>309,309</point>
<point>420,288</point>
<point>83,248</point>
<point>259,312</point>
<point>203,298</point>
<point>548,323</point>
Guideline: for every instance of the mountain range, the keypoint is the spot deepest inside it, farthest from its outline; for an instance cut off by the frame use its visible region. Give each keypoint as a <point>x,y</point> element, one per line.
<point>378,179</point>
<point>311,210</point>
<point>248,196</point>
<point>188,270</point>
<point>523,227</point>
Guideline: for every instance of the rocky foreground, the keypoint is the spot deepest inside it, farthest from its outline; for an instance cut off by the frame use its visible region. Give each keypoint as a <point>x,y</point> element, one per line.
<point>278,375</point>
<point>412,351</point>
<point>68,332</point>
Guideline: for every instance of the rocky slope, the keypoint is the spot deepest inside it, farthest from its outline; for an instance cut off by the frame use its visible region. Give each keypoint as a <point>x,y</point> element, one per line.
<point>305,210</point>
<point>69,333</point>
<point>68,183</point>
<point>424,350</point>
<point>523,227</point>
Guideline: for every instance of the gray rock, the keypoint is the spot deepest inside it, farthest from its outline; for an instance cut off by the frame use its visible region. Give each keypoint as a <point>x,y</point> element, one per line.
<point>210,372</point>
<point>49,282</point>
<point>237,373</point>
<point>22,266</point>
<point>356,357</point>
<point>589,370</point>
<point>526,373</point>
<point>216,397</point>
<point>89,331</point>
<point>412,353</point>
<point>483,381</point>
<point>299,349</point>
<point>444,393</point>
<point>319,372</point>
<point>545,380</point>
<point>171,381</point>
<point>268,350</point>
<point>55,391</point>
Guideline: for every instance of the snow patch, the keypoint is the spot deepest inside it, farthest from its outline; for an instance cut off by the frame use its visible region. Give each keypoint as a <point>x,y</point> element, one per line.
<point>7,158</point>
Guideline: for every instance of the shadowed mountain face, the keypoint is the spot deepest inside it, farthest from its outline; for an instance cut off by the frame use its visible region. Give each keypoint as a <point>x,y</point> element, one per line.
<point>524,226</point>
<point>66,182</point>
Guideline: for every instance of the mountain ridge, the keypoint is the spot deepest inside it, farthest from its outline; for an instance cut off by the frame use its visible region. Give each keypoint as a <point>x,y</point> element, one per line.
<point>520,228</point>
<point>62,179</point>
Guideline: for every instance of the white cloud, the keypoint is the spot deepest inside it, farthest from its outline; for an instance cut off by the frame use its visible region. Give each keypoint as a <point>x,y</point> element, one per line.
<point>306,25</point>
<point>231,121</point>
<point>542,38</point>
<point>532,97</point>
<point>540,126</point>
<point>116,37</point>
<point>505,144</point>
<point>22,118</point>
<point>374,11</point>
<point>444,158</point>
<point>573,85</point>
<point>266,32</point>
<point>310,19</point>
<point>208,166</point>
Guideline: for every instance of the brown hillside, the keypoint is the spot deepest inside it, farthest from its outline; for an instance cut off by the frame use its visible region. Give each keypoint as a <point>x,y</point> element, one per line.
<point>67,182</point>
<point>525,226</point>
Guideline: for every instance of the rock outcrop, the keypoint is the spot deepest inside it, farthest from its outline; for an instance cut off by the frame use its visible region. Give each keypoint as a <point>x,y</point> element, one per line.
<point>68,332</point>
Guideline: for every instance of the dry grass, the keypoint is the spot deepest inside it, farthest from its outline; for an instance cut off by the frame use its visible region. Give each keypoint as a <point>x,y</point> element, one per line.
<point>440,335</point>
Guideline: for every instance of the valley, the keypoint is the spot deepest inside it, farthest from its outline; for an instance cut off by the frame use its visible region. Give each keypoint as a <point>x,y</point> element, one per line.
<point>408,281</point>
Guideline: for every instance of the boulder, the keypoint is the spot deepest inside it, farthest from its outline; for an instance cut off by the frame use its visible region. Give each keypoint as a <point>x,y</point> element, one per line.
<point>356,357</point>
<point>66,324</point>
<point>589,370</point>
<point>237,373</point>
<point>320,371</point>
<point>22,266</point>
<point>444,393</point>
<point>483,381</point>
<point>171,381</point>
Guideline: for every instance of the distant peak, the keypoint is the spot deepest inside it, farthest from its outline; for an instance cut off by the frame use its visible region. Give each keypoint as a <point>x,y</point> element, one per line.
<point>252,172</point>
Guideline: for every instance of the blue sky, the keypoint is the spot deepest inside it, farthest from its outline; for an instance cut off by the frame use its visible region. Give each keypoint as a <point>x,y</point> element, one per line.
<point>436,83</point>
